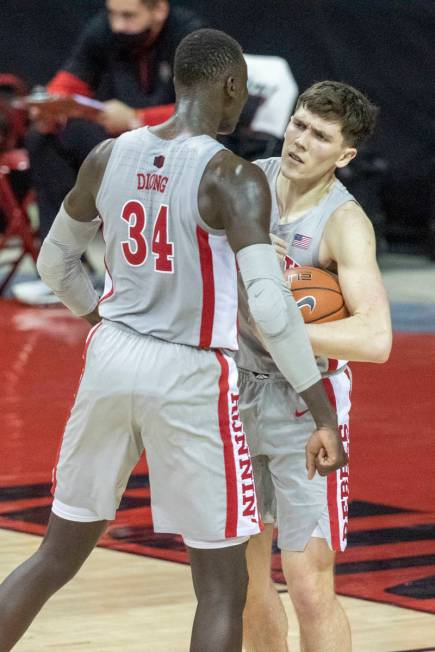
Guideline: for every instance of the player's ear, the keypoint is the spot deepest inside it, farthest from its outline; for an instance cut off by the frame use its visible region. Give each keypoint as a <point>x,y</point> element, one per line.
<point>347,155</point>
<point>230,86</point>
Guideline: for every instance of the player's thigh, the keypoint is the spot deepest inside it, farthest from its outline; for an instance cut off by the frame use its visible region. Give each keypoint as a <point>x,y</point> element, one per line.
<point>199,463</point>
<point>306,505</point>
<point>298,502</point>
<point>278,424</point>
<point>309,573</point>
<point>100,445</point>
<point>266,400</point>
<point>251,389</point>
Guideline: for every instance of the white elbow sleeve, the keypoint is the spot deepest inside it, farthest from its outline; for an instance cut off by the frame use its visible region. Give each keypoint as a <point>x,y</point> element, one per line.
<point>59,263</point>
<point>268,307</point>
<point>277,316</point>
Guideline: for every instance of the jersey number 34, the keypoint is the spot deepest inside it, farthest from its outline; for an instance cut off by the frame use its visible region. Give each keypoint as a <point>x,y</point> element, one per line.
<point>136,248</point>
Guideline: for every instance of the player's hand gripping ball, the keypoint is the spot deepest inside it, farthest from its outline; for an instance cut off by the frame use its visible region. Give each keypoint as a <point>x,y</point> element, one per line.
<point>317,294</point>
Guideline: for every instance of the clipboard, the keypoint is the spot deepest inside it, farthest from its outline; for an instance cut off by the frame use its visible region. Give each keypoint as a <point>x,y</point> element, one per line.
<point>69,106</point>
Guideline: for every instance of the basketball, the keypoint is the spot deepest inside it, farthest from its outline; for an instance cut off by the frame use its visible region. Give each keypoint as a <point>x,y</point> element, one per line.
<point>317,294</point>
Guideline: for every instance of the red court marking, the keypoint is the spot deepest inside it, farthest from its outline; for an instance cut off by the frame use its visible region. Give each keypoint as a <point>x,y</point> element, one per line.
<point>371,586</point>
<point>391,460</point>
<point>393,426</point>
<point>41,359</point>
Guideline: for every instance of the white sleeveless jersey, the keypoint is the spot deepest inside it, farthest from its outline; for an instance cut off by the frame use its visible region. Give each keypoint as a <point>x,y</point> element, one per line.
<point>169,275</point>
<point>303,236</point>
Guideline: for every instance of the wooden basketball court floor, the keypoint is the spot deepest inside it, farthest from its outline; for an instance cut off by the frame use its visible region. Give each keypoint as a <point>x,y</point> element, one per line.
<point>126,602</point>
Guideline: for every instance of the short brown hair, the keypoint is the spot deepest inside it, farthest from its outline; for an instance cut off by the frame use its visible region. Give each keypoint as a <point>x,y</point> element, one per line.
<point>342,103</point>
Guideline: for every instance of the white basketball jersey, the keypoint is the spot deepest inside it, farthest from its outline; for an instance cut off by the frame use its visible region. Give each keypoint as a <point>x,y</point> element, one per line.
<point>169,275</point>
<point>303,237</point>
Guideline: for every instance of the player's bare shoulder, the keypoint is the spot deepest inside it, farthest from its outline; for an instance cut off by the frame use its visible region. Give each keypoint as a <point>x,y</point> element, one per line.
<point>226,164</point>
<point>233,189</point>
<point>93,167</point>
<point>96,162</point>
<point>80,201</point>
<point>348,231</point>
<point>349,215</point>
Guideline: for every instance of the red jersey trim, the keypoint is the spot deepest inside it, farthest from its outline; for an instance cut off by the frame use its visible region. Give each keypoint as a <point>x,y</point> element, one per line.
<point>332,483</point>
<point>229,462</point>
<point>332,364</point>
<point>208,290</point>
<point>64,83</point>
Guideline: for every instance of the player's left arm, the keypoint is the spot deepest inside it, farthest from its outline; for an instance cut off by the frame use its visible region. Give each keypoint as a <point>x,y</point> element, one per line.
<point>349,241</point>
<point>59,262</point>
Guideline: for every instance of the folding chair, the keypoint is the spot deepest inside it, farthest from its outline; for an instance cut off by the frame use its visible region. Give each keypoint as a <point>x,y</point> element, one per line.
<point>19,233</point>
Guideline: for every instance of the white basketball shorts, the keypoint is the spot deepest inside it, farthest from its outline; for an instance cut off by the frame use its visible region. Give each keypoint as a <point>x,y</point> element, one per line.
<point>178,402</point>
<point>278,425</point>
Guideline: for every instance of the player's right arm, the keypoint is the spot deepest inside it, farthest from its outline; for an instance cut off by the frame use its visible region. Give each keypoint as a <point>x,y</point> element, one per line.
<point>234,195</point>
<point>59,261</point>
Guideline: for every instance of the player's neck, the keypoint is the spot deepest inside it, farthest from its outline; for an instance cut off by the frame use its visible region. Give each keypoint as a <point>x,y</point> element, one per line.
<point>296,197</point>
<point>192,117</point>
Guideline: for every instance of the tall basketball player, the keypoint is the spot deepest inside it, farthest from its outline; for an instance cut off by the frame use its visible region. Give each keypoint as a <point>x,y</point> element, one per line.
<point>315,221</point>
<point>175,206</point>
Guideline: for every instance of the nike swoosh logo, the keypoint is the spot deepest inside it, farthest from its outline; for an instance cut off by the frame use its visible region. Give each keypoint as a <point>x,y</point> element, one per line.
<point>310,302</point>
<point>300,414</point>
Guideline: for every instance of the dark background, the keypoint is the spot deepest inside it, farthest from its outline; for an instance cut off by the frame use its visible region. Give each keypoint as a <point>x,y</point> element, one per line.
<point>383,47</point>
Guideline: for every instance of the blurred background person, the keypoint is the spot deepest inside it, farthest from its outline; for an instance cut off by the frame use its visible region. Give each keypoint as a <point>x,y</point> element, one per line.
<point>392,176</point>
<point>124,58</point>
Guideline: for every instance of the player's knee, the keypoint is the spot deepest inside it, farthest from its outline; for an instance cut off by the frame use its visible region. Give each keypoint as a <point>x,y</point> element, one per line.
<point>231,602</point>
<point>236,595</point>
<point>239,600</point>
<point>311,595</point>
<point>225,593</point>
<point>259,590</point>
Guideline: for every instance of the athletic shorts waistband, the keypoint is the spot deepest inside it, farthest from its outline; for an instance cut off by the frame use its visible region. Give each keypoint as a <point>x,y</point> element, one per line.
<point>120,326</point>
<point>276,376</point>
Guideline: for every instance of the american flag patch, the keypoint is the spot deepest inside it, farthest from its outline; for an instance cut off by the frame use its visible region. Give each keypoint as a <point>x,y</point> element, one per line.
<point>301,241</point>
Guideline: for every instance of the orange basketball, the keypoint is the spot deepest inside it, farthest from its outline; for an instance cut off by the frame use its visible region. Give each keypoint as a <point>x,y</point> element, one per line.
<point>317,294</point>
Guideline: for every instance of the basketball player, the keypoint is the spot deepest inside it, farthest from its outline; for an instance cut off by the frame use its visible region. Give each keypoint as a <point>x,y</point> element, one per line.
<point>174,205</point>
<point>315,221</point>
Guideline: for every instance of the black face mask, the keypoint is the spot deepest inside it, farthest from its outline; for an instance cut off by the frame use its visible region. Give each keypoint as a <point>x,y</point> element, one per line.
<point>129,42</point>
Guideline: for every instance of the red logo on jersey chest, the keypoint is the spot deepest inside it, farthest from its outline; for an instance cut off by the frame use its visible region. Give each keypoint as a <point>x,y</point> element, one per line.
<point>290,263</point>
<point>159,161</point>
